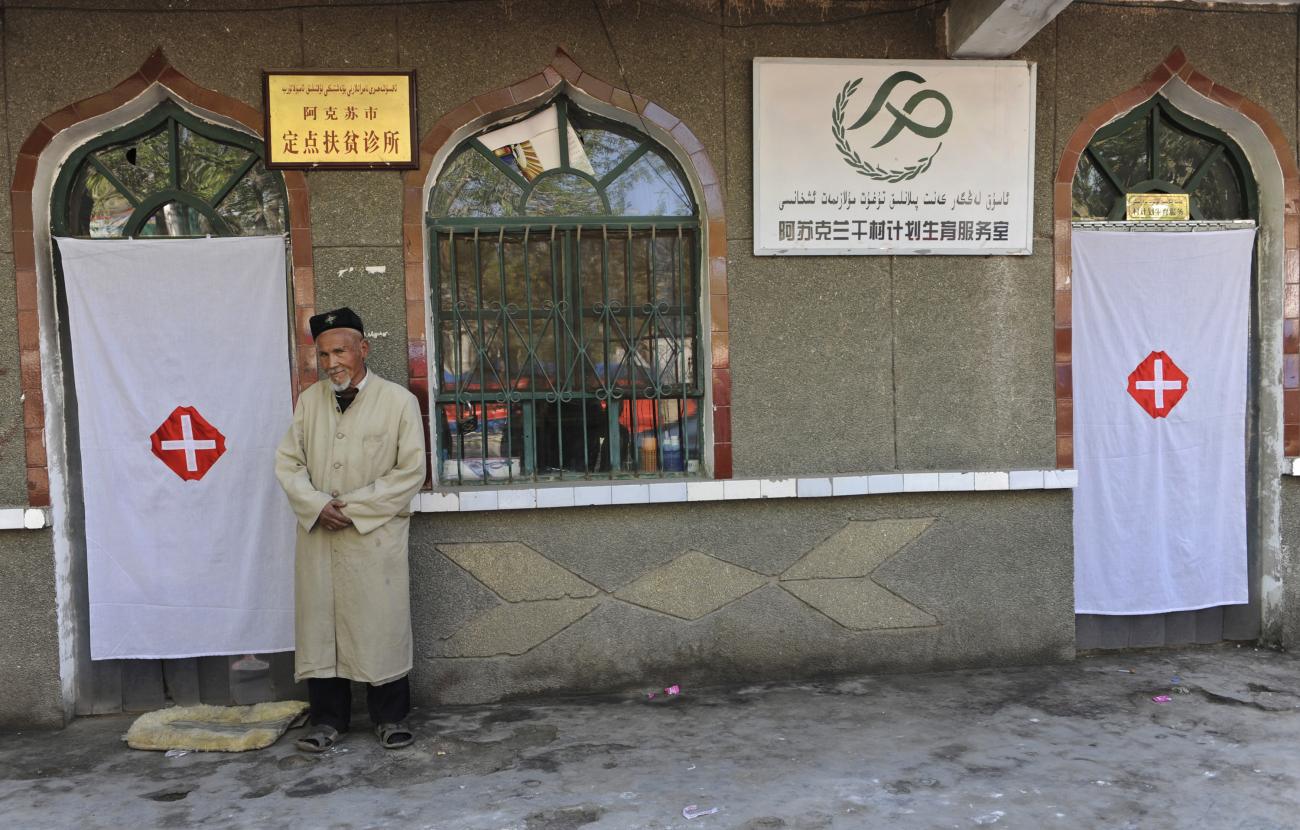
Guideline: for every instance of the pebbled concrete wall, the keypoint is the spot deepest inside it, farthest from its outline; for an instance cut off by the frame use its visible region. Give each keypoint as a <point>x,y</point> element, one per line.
<point>717,592</point>
<point>838,364</point>
<point>1290,571</point>
<point>13,452</point>
<point>29,654</point>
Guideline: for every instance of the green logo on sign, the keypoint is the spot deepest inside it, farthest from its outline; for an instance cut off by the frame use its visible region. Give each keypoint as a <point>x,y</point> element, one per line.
<point>902,120</point>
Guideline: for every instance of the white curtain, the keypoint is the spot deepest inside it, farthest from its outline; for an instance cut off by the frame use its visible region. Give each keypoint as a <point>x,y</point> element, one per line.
<point>189,541</point>
<point>1160,348</point>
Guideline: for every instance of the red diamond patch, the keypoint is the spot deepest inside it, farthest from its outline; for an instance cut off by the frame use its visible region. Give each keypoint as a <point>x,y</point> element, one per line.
<point>187,443</point>
<point>1157,384</point>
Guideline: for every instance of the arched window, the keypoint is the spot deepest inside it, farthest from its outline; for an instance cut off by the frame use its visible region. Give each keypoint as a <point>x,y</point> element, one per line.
<point>169,174</point>
<point>1158,149</point>
<point>565,262</point>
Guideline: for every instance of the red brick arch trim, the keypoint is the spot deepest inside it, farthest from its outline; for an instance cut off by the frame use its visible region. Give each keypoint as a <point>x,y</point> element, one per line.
<point>560,74</point>
<point>1174,66</point>
<point>157,69</point>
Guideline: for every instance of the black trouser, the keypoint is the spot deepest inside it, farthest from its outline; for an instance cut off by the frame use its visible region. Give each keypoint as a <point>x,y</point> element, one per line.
<point>331,701</point>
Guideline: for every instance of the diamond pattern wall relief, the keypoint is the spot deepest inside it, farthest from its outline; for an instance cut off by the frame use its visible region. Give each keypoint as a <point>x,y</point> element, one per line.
<point>517,573</point>
<point>859,604</point>
<point>516,628</point>
<point>857,549</point>
<point>541,598</point>
<point>691,586</point>
<point>835,577</point>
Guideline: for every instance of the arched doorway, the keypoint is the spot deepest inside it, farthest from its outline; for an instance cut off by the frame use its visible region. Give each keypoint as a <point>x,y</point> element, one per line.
<point>168,173</point>
<point>140,159</point>
<point>1180,132</point>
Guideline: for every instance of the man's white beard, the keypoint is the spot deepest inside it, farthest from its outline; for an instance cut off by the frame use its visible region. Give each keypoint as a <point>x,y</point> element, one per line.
<point>339,387</point>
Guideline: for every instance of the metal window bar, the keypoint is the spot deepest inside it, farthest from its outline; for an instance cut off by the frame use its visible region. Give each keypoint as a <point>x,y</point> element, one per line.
<point>623,382</point>
<point>484,417</point>
<point>684,435</point>
<point>557,308</point>
<point>582,358</point>
<point>503,328</point>
<point>530,421</point>
<point>609,380</point>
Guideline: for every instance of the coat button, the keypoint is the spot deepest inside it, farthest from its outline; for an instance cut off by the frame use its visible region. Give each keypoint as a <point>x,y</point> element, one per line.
<point>339,435</point>
<point>334,493</point>
<point>338,464</point>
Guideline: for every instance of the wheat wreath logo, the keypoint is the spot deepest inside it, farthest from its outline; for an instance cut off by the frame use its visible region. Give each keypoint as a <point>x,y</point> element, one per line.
<point>902,120</point>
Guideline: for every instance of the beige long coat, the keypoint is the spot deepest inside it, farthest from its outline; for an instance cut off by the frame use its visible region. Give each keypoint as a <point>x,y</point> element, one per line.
<point>353,616</point>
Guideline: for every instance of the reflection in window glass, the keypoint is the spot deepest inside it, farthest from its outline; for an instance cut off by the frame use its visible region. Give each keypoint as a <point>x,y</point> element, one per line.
<point>1180,153</point>
<point>1093,194</point>
<point>598,284</point>
<point>105,195</point>
<point>1217,194</point>
<point>564,194</point>
<point>649,188</point>
<point>1127,155</point>
<point>143,166</point>
<point>255,207</point>
<point>97,209</point>
<point>528,284</point>
<point>177,219</point>
<point>205,165</point>
<point>1188,157</point>
<point>668,263</point>
<point>473,186</point>
<point>606,149</point>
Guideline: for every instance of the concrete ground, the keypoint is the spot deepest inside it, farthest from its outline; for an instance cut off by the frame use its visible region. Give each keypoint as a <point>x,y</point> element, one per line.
<point>1081,745</point>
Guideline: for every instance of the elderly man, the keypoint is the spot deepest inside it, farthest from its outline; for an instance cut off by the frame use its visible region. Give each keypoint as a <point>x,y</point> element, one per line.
<point>350,464</point>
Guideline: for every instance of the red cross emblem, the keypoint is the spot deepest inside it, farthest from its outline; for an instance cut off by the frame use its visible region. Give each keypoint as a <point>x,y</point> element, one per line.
<point>187,443</point>
<point>1157,384</point>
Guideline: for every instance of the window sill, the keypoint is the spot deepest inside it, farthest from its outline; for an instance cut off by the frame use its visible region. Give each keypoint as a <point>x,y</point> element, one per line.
<point>477,498</point>
<point>24,518</point>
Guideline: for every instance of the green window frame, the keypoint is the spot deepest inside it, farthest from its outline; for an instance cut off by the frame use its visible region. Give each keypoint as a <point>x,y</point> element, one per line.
<point>169,173</point>
<point>1157,148</point>
<point>566,319</point>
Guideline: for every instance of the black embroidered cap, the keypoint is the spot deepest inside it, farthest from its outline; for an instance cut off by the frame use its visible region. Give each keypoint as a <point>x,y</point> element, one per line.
<point>339,318</point>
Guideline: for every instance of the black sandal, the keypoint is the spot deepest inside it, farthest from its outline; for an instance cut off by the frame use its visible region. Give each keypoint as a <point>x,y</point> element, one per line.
<point>319,739</point>
<point>394,735</point>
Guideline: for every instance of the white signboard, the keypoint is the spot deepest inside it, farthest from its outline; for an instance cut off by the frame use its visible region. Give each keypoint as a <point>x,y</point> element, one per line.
<point>893,157</point>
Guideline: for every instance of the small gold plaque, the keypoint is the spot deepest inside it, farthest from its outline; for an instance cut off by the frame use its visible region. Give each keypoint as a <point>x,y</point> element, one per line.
<point>356,119</point>
<point>1147,207</point>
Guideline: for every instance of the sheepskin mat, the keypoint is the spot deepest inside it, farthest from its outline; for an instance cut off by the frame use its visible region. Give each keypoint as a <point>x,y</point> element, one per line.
<point>215,728</point>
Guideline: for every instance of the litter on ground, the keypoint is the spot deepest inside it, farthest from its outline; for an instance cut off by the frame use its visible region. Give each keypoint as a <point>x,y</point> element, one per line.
<point>691,811</point>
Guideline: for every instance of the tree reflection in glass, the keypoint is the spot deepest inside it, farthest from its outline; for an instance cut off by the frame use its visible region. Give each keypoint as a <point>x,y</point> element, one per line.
<point>177,176</point>
<point>1158,149</point>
